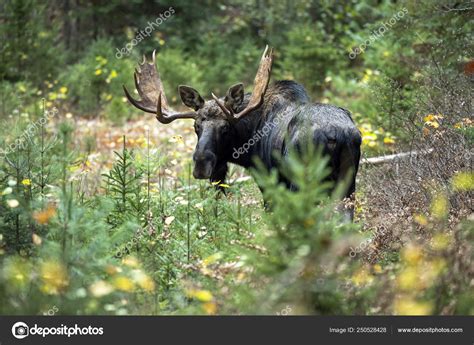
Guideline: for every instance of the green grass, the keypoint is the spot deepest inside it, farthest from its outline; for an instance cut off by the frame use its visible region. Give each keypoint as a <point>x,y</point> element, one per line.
<point>141,236</point>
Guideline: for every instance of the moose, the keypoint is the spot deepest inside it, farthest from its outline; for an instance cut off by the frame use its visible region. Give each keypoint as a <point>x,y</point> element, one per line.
<point>241,126</point>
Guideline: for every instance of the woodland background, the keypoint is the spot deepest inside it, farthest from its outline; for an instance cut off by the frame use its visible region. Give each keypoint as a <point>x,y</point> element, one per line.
<point>84,230</point>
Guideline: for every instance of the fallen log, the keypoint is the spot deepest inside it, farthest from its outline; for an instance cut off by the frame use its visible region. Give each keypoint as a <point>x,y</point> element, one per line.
<point>396,156</point>
<point>372,160</point>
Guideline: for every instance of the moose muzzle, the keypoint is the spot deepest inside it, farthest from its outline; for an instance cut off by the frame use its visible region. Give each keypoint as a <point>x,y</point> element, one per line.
<point>204,163</point>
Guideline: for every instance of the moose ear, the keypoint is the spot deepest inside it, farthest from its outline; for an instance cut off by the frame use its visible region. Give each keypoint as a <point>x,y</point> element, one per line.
<point>190,97</point>
<point>234,97</point>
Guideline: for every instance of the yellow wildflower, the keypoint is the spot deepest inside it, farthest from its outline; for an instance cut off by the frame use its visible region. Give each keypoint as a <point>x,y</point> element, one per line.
<point>210,308</point>
<point>440,241</point>
<point>100,288</point>
<point>421,219</point>
<point>213,258</point>
<point>408,279</point>
<point>362,277</point>
<point>439,206</point>
<point>463,182</point>
<point>17,271</point>
<point>54,276</point>
<point>436,267</point>
<point>377,268</point>
<point>143,280</point>
<point>409,306</point>
<point>432,120</point>
<point>200,295</point>
<point>131,261</point>
<point>123,283</point>
<point>412,255</point>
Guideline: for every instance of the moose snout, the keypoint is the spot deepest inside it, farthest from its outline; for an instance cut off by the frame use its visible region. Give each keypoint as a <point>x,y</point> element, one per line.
<point>204,163</point>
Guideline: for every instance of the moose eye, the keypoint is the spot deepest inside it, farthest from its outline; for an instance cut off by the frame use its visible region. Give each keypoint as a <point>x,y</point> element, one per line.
<point>224,130</point>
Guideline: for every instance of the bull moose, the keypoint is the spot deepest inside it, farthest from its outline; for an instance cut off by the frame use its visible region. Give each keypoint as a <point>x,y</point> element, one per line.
<point>242,126</point>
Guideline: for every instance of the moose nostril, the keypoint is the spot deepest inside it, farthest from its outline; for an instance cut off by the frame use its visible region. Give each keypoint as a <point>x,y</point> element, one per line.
<point>204,156</point>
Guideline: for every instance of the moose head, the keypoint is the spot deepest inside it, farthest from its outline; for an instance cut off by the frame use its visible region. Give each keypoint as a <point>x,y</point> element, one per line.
<point>216,121</point>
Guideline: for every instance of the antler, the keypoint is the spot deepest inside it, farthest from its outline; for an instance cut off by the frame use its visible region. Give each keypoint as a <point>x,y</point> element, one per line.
<point>260,87</point>
<point>152,94</point>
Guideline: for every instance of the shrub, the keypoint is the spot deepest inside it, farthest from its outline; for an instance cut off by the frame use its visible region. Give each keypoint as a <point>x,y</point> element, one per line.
<point>310,55</point>
<point>96,81</point>
<point>178,68</point>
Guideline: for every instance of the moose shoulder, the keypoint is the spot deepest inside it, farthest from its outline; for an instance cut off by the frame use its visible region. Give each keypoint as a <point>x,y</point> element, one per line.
<point>240,127</point>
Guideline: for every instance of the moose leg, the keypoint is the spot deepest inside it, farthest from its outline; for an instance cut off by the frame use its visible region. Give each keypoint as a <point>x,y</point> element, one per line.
<point>348,166</point>
<point>267,204</point>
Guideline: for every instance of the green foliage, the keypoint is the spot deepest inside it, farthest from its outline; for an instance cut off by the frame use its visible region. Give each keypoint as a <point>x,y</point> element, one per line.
<point>96,80</point>
<point>17,98</point>
<point>302,228</point>
<point>226,67</point>
<point>136,234</point>
<point>178,68</point>
<point>123,185</point>
<point>29,42</point>
<point>310,55</point>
